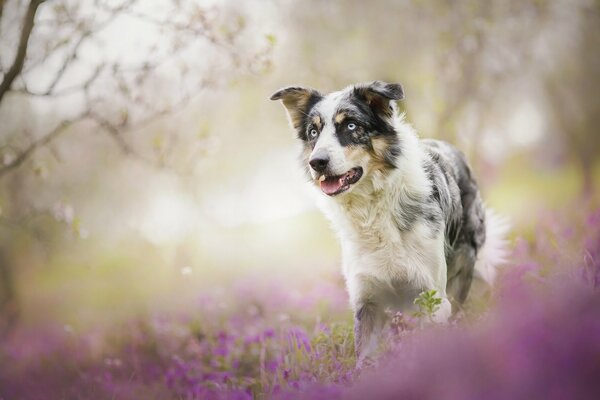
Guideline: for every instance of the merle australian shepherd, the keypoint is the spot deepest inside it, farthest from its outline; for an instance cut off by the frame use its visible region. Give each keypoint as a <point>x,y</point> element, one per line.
<point>407,211</point>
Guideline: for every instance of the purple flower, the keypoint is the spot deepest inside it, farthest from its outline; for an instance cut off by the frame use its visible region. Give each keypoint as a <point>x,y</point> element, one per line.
<point>269,333</point>
<point>297,338</point>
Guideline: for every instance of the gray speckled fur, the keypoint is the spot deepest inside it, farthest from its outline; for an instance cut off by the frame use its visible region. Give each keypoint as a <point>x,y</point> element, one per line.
<point>462,209</point>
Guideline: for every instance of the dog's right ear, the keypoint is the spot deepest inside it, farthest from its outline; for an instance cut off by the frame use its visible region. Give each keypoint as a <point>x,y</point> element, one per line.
<point>297,101</point>
<point>380,96</point>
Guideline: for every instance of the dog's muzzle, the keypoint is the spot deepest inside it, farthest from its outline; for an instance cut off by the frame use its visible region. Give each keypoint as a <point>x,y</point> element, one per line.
<point>333,185</point>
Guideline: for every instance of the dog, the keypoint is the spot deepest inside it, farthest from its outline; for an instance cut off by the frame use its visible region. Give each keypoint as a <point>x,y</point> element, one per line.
<point>408,212</point>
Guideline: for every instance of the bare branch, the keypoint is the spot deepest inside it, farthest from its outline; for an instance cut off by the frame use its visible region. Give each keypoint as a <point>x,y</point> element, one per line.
<point>43,141</point>
<point>17,64</point>
<point>87,34</point>
<point>118,130</point>
<point>69,90</point>
<point>67,61</point>
<point>200,30</point>
<point>33,63</point>
<point>114,132</point>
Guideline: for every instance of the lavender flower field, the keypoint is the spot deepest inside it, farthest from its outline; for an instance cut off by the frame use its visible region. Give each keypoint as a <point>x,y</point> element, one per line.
<point>536,336</point>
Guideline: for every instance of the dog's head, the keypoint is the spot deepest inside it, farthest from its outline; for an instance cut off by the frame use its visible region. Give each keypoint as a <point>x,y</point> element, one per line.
<point>347,134</point>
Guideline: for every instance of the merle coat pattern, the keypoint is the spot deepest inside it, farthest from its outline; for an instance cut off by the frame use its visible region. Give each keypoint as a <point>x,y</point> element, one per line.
<point>407,211</point>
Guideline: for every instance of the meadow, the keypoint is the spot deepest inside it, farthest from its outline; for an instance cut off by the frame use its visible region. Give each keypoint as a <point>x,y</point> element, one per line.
<point>159,240</point>
<point>534,336</point>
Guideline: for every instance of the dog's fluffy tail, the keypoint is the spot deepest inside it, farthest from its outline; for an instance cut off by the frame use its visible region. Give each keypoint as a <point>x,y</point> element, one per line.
<point>494,252</point>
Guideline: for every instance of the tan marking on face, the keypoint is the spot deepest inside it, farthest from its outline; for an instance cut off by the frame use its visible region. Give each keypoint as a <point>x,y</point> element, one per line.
<point>339,117</point>
<point>356,155</point>
<point>317,121</point>
<point>380,146</point>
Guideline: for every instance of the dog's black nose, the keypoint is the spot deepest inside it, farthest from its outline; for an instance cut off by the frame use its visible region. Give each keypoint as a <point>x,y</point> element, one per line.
<point>319,161</point>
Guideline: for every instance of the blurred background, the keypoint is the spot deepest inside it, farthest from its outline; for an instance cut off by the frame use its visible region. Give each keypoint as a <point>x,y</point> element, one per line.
<point>142,164</point>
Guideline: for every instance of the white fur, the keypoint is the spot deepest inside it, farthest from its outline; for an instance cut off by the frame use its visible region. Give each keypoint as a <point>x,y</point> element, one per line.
<point>372,244</point>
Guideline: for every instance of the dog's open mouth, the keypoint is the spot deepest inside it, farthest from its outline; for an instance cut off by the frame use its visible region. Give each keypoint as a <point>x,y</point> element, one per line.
<point>332,185</point>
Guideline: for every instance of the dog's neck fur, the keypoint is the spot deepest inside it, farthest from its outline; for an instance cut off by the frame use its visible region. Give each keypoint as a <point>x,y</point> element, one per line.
<point>372,202</point>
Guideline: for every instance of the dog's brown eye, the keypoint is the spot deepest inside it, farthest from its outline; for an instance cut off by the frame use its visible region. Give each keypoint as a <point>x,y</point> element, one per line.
<point>351,126</point>
<point>313,133</point>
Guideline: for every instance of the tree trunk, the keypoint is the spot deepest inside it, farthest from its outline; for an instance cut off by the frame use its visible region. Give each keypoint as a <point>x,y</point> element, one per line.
<point>17,65</point>
<point>8,297</point>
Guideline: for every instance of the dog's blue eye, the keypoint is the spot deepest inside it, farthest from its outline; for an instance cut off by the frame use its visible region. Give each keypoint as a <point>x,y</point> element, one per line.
<point>352,126</point>
<point>313,133</point>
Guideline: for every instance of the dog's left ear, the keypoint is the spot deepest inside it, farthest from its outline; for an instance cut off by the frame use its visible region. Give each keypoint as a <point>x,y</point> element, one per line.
<point>380,95</point>
<point>297,101</point>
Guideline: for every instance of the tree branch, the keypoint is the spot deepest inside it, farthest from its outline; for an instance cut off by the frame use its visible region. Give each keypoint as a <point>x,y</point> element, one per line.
<point>83,86</point>
<point>67,62</point>
<point>117,131</point>
<point>44,140</point>
<point>114,132</point>
<point>17,64</point>
<point>2,2</point>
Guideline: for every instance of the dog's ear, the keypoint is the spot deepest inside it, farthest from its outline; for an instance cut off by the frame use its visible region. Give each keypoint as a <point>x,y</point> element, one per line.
<point>297,101</point>
<point>380,95</point>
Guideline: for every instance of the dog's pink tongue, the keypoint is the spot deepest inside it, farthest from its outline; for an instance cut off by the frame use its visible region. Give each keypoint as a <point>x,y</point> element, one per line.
<point>331,185</point>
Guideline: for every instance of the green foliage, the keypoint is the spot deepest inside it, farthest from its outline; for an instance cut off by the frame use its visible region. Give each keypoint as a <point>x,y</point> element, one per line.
<point>272,39</point>
<point>428,304</point>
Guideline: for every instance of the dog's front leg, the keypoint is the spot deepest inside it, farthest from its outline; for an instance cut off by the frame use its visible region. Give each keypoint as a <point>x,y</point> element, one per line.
<point>369,319</point>
<point>444,312</point>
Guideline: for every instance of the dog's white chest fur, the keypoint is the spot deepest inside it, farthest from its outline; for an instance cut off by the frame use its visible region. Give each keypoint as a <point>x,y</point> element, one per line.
<point>376,250</point>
